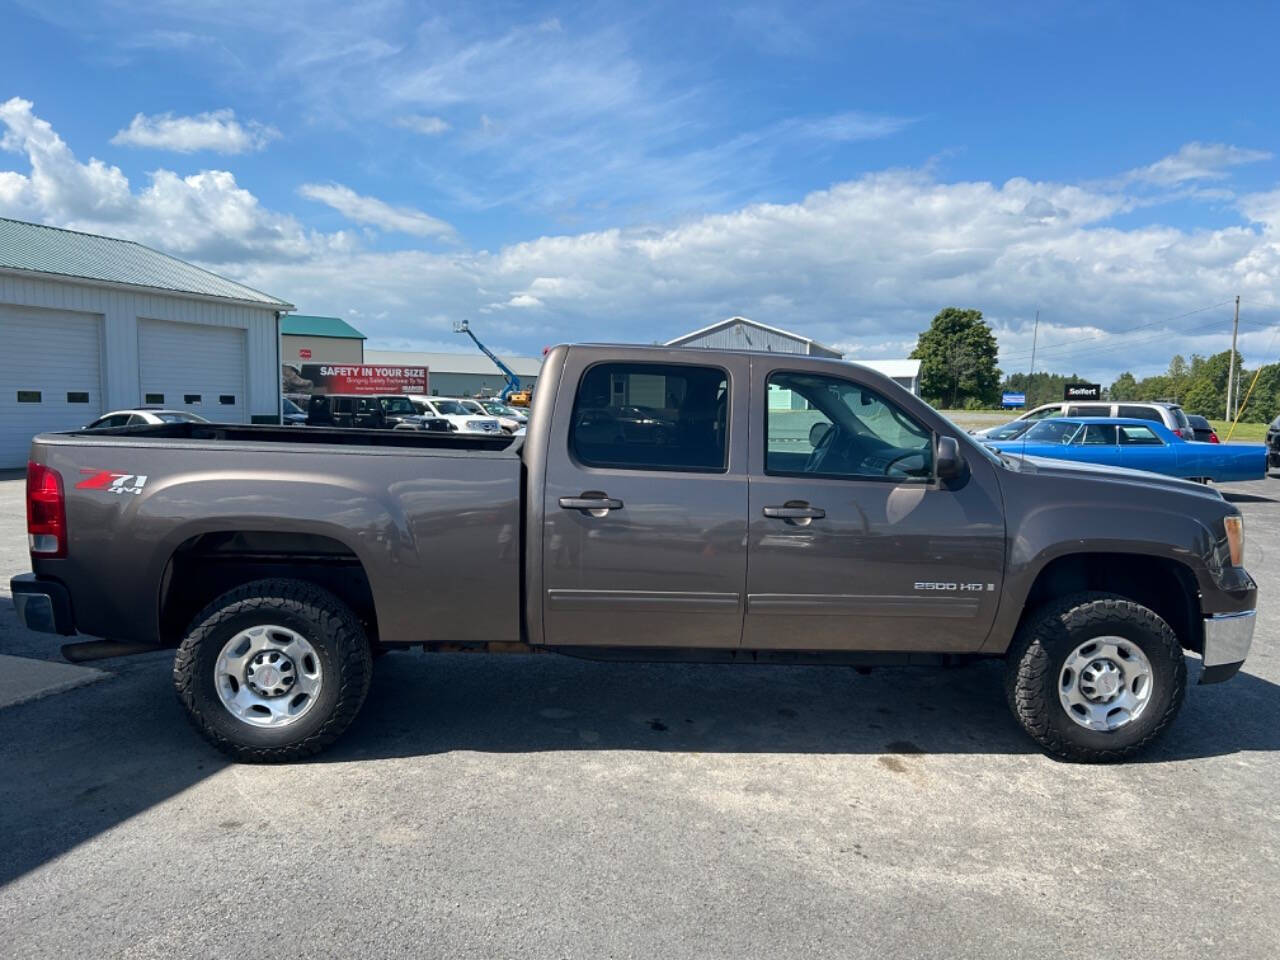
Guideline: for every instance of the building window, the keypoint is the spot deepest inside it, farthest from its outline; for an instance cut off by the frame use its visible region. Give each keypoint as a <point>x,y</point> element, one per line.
<point>192,398</point>
<point>78,396</point>
<point>227,399</point>
<point>28,396</point>
<point>153,398</point>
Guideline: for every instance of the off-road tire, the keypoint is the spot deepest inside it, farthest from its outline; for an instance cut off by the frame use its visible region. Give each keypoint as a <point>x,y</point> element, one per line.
<point>331,628</point>
<point>1035,661</point>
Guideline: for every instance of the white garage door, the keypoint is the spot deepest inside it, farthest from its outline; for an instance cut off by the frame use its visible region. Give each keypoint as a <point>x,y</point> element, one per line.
<point>186,366</point>
<point>50,376</point>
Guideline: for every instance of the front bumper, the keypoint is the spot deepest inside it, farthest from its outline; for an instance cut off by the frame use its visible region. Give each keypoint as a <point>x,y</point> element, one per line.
<point>42,605</point>
<point>1227,638</point>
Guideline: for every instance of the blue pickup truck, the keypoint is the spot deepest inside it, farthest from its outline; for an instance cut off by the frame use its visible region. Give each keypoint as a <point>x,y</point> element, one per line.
<point>1137,445</point>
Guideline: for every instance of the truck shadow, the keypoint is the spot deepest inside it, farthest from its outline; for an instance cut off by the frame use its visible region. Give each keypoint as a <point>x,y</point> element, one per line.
<point>429,704</point>
<point>80,763</point>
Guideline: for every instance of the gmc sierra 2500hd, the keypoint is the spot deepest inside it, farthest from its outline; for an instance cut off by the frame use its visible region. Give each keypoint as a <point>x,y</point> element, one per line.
<point>672,504</point>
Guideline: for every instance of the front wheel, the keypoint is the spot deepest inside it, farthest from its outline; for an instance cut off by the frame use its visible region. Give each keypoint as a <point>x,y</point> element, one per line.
<point>274,670</point>
<point>1095,677</point>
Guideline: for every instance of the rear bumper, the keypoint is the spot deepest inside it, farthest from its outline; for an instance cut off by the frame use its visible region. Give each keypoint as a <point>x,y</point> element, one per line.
<point>42,605</point>
<point>1227,639</point>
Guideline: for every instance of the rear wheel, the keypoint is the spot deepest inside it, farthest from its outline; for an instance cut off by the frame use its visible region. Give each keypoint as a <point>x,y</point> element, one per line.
<point>273,670</point>
<point>1095,677</point>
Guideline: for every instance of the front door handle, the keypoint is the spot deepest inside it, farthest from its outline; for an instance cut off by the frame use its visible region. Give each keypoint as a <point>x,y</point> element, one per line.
<point>592,502</point>
<point>795,512</point>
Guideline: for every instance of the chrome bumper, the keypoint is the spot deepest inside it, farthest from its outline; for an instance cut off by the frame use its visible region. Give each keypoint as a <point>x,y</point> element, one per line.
<point>1227,638</point>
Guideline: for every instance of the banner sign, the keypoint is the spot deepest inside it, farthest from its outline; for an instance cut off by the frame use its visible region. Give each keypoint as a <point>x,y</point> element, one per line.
<point>1082,391</point>
<point>358,378</point>
<point>1013,399</point>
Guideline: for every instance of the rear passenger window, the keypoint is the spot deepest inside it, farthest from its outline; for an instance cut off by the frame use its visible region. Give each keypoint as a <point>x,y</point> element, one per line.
<point>1097,434</point>
<point>1141,413</point>
<point>1134,436</point>
<point>1089,410</point>
<point>651,416</point>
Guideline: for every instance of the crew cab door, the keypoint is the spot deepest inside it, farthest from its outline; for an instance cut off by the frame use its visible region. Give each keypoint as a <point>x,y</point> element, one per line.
<point>854,542</point>
<point>645,504</point>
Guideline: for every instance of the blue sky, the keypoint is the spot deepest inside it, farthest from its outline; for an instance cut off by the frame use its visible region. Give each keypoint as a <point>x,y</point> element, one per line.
<point>599,170</point>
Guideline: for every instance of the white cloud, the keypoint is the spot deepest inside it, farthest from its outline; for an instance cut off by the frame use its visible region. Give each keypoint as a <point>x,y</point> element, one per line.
<point>375,212</point>
<point>421,123</point>
<point>218,130</point>
<point>204,216</point>
<point>864,264</point>
<point>1195,161</point>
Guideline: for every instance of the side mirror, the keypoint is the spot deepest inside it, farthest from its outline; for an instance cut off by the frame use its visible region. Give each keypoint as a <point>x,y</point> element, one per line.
<point>950,463</point>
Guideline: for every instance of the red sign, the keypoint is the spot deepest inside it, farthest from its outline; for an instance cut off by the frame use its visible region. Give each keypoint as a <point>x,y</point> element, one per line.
<point>354,378</point>
<point>304,353</point>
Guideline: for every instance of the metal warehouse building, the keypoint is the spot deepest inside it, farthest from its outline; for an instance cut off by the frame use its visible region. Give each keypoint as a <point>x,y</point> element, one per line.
<point>460,374</point>
<point>739,333</point>
<point>90,323</point>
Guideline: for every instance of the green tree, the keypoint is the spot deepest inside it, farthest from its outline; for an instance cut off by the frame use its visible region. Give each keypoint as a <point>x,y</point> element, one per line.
<point>1124,388</point>
<point>957,357</point>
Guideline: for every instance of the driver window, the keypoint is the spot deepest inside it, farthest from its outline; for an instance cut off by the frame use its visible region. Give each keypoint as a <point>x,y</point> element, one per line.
<point>825,426</point>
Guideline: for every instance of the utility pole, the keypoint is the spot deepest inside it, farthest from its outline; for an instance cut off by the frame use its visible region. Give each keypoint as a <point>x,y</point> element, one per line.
<point>1035,333</point>
<point>1231,367</point>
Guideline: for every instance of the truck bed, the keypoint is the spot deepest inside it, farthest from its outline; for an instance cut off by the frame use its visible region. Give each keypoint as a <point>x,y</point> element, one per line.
<point>428,524</point>
<point>340,436</point>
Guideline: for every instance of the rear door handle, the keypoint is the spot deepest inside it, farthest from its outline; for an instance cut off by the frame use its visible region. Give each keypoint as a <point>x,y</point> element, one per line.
<point>796,512</point>
<point>591,502</point>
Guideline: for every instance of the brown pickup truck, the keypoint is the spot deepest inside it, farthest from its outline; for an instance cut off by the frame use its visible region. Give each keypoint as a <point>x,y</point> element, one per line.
<point>689,505</point>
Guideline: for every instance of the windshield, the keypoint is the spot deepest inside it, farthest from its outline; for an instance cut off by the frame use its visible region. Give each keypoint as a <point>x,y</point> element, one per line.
<point>397,405</point>
<point>1010,430</point>
<point>1052,431</point>
<point>450,408</point>
<point>500,410</point>
<point>291,407</point>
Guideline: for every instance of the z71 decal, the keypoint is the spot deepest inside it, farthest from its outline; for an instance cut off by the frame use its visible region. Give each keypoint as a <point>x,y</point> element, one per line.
<point>112,482</point>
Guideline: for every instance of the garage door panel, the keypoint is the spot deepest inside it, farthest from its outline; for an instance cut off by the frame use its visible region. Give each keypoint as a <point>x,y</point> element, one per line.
<point>194,367</point>
<point>52,355</point>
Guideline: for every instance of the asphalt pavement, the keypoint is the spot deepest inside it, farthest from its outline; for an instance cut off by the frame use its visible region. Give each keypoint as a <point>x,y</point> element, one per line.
<point>546,807</point>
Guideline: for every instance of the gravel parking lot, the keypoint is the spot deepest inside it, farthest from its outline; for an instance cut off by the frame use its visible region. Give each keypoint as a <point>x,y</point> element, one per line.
<point>546,807</point>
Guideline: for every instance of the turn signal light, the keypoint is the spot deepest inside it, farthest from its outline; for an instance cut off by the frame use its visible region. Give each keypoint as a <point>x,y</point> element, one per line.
<point>46,512</point>
<point>1235,539</point>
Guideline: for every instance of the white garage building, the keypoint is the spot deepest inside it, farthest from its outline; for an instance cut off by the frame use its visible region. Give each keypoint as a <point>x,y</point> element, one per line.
<point>90,324</point>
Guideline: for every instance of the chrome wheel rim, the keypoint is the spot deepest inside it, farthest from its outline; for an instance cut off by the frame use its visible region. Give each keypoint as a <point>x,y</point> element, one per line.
<point>268,676</point>
<point>1105,683</point>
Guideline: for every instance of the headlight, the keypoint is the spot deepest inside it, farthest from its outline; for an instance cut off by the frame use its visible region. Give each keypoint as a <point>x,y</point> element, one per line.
<point>1235,539</point>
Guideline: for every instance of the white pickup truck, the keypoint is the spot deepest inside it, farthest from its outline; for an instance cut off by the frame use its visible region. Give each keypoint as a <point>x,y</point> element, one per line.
<point>463,420</point>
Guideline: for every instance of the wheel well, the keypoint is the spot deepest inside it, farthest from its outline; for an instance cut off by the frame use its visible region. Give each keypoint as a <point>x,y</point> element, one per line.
<point>207,566</point>
<point>1165,586</point>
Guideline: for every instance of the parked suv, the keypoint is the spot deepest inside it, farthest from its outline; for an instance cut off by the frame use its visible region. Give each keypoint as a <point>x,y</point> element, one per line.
<point>1169,415</point>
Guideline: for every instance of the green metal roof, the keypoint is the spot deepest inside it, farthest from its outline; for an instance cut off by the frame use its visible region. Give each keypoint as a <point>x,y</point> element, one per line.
<point>67,253</point>
<point>301,325</point>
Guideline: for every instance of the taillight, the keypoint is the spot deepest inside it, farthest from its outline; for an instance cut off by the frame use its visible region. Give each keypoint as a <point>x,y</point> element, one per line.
<point>46,512</point>
<point>1213,436</point>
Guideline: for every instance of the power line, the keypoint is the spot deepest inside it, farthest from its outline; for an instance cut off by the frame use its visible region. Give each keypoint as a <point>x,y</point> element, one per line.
<point>1116,333</point>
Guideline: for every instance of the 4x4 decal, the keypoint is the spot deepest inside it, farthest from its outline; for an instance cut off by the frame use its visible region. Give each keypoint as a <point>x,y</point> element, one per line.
<point>112,482</point>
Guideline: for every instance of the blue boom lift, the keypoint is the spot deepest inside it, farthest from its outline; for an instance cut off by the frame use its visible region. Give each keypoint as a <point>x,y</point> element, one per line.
<point>513,382</point>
